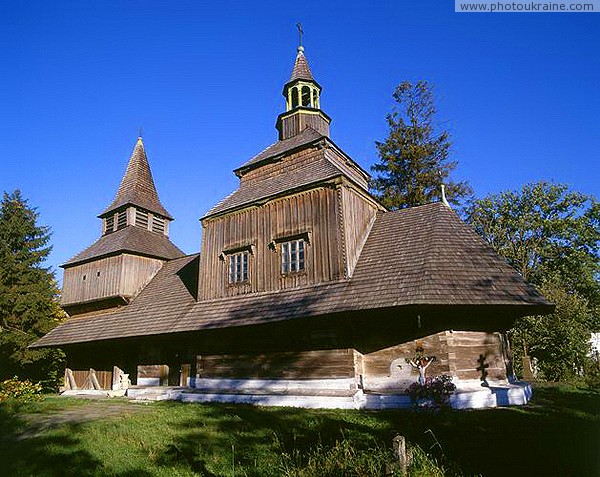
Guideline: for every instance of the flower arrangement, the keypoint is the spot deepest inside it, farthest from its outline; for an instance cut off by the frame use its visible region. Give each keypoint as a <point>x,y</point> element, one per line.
<point>435,392</point>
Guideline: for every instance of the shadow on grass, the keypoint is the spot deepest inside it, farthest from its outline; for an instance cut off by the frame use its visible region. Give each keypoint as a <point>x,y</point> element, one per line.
<point>557,435</point>
<point>51,452</point>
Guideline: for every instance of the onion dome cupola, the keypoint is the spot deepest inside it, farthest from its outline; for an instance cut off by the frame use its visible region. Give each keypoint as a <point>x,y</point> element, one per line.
<point>136,203</point>
<point>303,102</point>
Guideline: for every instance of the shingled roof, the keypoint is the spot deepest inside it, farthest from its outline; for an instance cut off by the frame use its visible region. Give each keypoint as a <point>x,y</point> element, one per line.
<point>301,70</point>
<point>286,146</point>
<point>137,187</point>
<point>129,239</point>
<point>317,171</point>
<point>155,310</point>
<point>423,256</point>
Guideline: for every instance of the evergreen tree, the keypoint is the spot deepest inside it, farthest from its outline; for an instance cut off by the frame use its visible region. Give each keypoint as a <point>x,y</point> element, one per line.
<point>28,293</point>
<point>414,159</point>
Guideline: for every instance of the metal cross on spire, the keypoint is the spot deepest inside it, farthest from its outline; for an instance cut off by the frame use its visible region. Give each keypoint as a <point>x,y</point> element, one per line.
<point>300,32</point>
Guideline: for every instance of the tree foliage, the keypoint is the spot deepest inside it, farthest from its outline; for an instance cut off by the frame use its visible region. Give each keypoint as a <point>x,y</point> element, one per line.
<point>558,341</point>
<point>28,292</point>
<point>545,231</point>
<point>414,159</point>
<point>551,235</point>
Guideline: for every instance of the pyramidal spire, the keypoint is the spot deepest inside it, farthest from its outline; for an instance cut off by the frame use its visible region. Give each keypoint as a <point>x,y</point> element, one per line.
<point>137,186</point>
<point>301,70</point>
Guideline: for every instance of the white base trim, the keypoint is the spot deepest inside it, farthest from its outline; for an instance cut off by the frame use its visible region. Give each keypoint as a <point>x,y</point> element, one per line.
<point>328,394</point>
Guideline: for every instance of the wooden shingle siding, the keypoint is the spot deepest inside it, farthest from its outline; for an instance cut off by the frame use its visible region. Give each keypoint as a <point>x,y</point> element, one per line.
<point>290,365</point>
<point>314,212</point>
<point>291,163</point>
<point>348,167</point>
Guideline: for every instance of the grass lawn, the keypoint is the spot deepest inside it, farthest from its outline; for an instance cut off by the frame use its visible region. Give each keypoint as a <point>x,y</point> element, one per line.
<point>557,434</point>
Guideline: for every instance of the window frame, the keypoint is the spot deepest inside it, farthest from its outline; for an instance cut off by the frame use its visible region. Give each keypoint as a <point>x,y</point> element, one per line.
<point>238,267</point>
<point>292,254</point>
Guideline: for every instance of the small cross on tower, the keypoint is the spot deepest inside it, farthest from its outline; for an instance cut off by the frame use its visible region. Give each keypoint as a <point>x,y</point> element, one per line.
<point>300,33</point>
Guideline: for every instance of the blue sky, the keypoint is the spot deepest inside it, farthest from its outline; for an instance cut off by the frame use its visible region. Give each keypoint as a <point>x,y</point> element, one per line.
<point>519,93</point>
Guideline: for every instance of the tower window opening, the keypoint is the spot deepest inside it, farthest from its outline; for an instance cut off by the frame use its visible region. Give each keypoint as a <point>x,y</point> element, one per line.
<point>315,100</point>
<point>158,225</point>
<point>122,220</point>
<point>141,219</point>
<point>109,224</point>
<point>295,97</point>
<point>306,97</point>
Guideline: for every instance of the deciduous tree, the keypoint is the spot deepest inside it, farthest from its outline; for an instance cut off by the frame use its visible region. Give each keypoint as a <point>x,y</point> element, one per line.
<point>551,235</point>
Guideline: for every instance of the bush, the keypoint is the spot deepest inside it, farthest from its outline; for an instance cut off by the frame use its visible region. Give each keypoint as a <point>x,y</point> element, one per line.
<point>435,392</point>
<point>20,392</point>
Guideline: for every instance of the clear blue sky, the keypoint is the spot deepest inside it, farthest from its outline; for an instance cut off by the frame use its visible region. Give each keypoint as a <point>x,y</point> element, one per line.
<point>520,94</point>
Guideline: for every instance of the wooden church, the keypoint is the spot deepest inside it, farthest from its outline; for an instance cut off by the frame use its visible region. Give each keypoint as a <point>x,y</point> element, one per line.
<point>307,292</point>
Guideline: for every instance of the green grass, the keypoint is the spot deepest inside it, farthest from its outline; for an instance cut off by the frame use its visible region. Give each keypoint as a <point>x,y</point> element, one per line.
<point>557,434</point>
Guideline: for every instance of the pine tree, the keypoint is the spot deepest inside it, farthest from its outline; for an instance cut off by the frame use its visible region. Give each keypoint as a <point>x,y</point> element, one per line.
<point>414,159</point>
<point>28,293</point>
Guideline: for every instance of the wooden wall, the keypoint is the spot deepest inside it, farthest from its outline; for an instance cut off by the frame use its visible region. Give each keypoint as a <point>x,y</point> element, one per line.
<point>318,364</point>
<point>358,217</point>
<point>458,353</point>
<point>121,275</point>
<point>314,212</point>
<point>469,349</point>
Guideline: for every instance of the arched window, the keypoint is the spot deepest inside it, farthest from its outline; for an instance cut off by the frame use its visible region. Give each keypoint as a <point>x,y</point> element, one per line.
<point>306,97</point>
<point>294,98</point>
<point>315,101</point>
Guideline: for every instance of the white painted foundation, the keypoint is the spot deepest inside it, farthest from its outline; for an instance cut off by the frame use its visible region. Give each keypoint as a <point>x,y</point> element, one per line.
<point>328,394</point>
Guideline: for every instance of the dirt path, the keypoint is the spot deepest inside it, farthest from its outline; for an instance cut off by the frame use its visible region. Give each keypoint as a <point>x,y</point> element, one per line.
<point>95,409</point>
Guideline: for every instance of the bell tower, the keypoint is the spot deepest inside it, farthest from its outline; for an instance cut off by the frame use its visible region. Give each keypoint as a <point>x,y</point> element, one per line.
<point>302,101</point>
<point>132,248</point>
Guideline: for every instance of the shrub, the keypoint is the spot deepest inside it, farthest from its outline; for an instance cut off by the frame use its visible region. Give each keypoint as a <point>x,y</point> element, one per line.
<point>434,393</point>
<point>20,391</point>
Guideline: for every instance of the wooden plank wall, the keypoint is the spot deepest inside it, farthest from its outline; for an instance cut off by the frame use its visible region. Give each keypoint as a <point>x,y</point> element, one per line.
<point>457,353</point>
<point>82,379</point>
<point>358,217</point>
<point>287,365</point>
<point>154,371</point>
<point>469,348</point>
<point>314,211</point>
<point>137,272</point>
<point>102,279</point>
<point>123,275</point>
<point>377,364</point>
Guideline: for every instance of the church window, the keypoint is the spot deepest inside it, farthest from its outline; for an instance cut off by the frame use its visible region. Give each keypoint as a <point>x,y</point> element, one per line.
<point>294,97</point>
<point>238,267</point>
<point>292,256</point>
<point>315,102</point>
<point>306,96</point>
